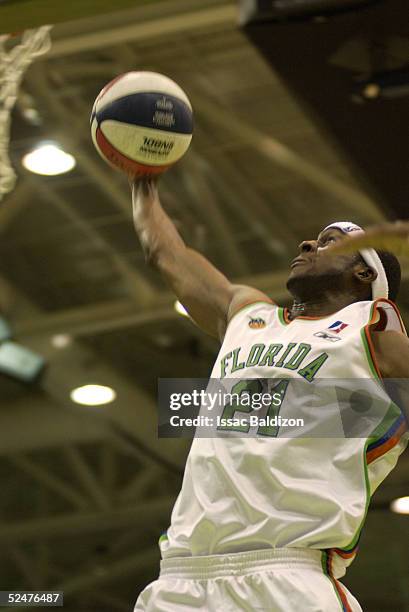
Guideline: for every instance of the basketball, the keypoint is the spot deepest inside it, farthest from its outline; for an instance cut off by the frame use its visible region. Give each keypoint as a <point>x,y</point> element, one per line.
<point>141,123</point>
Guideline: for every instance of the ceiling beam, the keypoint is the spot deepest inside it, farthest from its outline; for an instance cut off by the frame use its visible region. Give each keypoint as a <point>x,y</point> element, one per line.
<point>13,302</point>
<point>135,488</point>
<point>25,565</point>
<point>227,179</point>
<point>89,320</point>
<point>77,524</point>
<point>50,481</point>
<point>108,468</point>
<point>283,156</point>
<point>133,564</point>
<point>51,427</point>
<point>85,476</point>
<point>139,28</point>
<point>139,289</point>
<point>13,204</point>
<point>29,14</point>
<point>108,600</point>
<point>202,197</point>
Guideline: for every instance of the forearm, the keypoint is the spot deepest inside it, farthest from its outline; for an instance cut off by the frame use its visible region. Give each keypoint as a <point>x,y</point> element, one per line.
<point>204,291</point>
<point>187,272</point>
<point>156,231</point>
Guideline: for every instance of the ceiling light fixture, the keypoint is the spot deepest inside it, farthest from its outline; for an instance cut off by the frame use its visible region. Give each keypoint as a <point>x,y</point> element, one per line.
<point>385,85</point>
<point>61,341</point>
<point>48,159</point>
<point>400,505</point>
<point>371,91</point>
<point>93,395</point>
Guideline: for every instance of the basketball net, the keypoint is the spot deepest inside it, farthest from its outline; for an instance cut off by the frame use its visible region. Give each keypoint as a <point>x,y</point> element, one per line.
<point>13,64</point>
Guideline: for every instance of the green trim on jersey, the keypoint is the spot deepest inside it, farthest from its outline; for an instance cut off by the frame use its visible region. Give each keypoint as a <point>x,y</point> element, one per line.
<point>368,354</point>
<point>355,539</point>
<point>324,565</point>
<point>374,373</point>
<point>324,561</point>
<point>391,415</point>
<point>281,318</point>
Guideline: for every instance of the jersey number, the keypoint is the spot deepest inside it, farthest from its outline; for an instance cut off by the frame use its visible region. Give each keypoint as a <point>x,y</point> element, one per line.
<point>249,388</point>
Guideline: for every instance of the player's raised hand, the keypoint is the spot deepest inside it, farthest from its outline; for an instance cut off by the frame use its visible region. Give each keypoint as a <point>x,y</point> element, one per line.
<point>393,237</point>
<point>145,183</point>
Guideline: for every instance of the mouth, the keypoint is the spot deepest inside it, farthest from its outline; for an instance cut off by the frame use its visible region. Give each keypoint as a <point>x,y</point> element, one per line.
<point>299,261</point>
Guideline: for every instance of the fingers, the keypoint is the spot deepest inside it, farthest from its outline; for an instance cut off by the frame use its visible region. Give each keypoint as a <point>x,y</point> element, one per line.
<point>144,189</point>
<point>145,181</point>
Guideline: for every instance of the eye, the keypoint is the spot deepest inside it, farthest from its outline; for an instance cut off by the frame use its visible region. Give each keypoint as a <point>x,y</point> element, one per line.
<point>328,239</point>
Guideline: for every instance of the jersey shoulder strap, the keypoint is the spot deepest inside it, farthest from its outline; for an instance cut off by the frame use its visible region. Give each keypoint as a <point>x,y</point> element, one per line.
<point>385,316</point>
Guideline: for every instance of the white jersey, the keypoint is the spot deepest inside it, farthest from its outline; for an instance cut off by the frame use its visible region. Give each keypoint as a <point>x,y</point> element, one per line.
<point>250,492</point>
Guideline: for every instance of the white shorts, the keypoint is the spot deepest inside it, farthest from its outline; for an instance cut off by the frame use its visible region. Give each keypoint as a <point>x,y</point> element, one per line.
<point>271,580</point>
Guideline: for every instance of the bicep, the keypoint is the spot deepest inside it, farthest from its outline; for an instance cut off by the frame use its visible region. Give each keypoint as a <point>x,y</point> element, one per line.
<point>208,296</point>
<point>202,289</point>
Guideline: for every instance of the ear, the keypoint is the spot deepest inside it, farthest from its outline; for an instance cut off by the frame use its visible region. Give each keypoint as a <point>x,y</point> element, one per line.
<point>365,274</point>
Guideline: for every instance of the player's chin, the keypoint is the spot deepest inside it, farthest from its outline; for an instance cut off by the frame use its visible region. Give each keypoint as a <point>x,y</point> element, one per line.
<point>300,278</point>
<point>296,279</point>
<point>300,271</point>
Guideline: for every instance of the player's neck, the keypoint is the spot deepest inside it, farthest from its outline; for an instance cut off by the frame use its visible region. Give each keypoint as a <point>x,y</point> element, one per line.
<point>318,308</point>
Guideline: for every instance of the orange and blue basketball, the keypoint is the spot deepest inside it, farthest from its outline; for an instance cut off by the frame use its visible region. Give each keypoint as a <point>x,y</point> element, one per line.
<point>142,123</point>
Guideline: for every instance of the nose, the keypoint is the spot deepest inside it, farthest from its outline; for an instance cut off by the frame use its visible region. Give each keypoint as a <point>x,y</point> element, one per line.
<point>308,246</point>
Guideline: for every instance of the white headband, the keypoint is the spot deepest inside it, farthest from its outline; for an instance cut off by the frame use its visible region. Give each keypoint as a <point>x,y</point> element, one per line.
<point>380,287</point>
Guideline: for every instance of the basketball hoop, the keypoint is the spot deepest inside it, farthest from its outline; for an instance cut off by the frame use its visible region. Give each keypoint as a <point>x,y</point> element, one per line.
<point>13,64</point>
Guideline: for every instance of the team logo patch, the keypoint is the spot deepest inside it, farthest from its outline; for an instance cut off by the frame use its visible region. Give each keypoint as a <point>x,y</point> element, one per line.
<point>258,323</point>
<point>338,326</point>
<point>334,328</point>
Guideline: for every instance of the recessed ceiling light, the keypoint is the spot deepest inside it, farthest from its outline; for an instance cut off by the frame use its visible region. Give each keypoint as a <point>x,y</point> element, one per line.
<point>180,309</point>
<point>371,91</point>
<point>49,160</point>
<point>400,505</point>
<point>93,395</point>
<point>61,340</point>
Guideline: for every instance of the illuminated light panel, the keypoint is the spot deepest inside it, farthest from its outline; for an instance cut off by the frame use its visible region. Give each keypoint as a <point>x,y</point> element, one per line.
<point>400,505</point>
<point>61,340</point>
<point>93,395</point>
<point>49,160</point>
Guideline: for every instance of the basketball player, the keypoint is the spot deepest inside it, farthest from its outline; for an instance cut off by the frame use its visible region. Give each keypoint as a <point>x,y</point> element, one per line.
<point>270,523</point>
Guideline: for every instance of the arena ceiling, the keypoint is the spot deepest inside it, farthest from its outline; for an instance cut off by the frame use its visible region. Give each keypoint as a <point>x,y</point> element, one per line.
<point>87,492</point>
